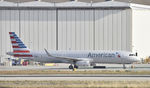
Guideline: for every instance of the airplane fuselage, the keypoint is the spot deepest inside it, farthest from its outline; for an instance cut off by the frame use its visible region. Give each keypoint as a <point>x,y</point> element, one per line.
<point>118,57</point>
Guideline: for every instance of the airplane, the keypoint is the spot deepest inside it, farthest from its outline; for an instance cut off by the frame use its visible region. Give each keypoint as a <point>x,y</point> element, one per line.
<point>75,58</point>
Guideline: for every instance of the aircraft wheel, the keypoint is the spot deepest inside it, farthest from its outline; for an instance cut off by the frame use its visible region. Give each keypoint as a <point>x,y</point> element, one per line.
<point>75,66</point>
<point>124,66</point>
<point>70,67</point>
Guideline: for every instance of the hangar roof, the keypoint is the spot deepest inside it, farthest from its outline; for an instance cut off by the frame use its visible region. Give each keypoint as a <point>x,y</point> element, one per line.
<point>111,4</point>
<point>73,4</point>
<point>7,4</point>
<point>120,4</point>
<point>36,4</point>
<point>146,2</point>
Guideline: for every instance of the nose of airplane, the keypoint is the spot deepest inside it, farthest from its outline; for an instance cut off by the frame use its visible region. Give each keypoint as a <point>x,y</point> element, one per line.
<point>137,59</point>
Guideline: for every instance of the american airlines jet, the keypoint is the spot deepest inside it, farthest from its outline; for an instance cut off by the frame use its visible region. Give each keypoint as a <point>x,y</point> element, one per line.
<point>75,58</point>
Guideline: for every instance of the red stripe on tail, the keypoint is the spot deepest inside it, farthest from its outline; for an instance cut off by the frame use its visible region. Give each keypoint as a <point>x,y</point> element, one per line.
<point>11,37</point>
<point>10,32</point>
<point>21,51</point>
<point>18,55</point>
<point>15,46</point>
<point>13,42</point>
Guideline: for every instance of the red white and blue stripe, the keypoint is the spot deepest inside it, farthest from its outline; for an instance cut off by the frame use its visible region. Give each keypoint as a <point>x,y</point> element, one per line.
<point>19,49</point>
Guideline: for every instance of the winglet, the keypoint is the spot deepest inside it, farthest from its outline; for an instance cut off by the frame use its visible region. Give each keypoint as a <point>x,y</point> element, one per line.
<point>48,53</point>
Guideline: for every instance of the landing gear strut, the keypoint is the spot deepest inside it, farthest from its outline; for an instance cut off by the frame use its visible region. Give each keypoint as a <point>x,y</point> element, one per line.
<point>75,66</point>
<point>124,67</point>
<point>72,67</point>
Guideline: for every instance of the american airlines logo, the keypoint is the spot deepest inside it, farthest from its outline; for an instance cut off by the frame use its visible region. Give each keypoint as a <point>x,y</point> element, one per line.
<point>101,55</point>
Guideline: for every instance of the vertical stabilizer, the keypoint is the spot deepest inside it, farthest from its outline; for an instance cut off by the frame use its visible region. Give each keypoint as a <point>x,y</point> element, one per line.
<point>19,48</point>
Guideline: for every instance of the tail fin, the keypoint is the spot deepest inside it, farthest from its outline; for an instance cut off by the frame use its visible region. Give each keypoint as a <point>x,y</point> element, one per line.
<point>19,49</point>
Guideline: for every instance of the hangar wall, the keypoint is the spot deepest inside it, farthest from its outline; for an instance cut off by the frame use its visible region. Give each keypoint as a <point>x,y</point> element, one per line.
<point>95,29</point>
<point>8,22</point>
<point>67,29</point>
<point>75,29</point>
<point>113,29</point>
<point>38,28</point>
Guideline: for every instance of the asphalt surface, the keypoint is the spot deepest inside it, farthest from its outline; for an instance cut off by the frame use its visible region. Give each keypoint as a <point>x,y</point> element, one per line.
<point>74,77</point>
<point>65,67</point>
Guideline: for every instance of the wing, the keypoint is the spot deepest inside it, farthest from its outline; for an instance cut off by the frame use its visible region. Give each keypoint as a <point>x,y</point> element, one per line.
<point>67,58</point>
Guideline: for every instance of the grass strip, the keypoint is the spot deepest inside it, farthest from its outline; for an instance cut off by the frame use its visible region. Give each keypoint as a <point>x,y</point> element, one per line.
<point>75,84</point>
<point>30,72</point>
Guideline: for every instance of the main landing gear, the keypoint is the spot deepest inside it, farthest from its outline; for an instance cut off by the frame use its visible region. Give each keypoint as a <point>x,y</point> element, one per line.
<point>70,66</point>
<point>124,66</point>
<point>73,66</point>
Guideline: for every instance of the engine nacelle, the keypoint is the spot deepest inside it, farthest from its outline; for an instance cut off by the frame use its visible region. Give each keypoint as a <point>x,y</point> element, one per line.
<point>83,63</point>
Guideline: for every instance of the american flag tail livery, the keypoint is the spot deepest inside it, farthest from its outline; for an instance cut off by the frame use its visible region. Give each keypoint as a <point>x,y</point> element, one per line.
<point>19,49</point>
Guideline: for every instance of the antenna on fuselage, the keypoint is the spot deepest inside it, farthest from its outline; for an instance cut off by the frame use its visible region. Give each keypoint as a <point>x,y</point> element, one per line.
<point>136,54</point>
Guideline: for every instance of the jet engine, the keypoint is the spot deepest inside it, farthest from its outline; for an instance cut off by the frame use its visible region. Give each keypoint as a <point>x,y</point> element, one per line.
<point>83,63</point>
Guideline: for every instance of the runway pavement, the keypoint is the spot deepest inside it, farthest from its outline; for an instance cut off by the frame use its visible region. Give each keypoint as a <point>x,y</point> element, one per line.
<point>75,77</point>
<point>65,67</point>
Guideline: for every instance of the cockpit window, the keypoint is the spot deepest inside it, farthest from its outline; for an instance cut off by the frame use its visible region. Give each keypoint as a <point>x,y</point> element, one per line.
<point>131,54</point>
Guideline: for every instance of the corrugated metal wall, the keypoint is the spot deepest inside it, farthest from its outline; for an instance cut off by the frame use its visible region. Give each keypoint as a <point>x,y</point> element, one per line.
<point>75,29</point>
<point>113,30</point>
<point>38,28</point>
<point>68,29</point>
<point>8,22</point>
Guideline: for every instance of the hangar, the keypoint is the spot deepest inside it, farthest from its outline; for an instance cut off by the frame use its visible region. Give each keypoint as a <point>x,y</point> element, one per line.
<point>75,25</point>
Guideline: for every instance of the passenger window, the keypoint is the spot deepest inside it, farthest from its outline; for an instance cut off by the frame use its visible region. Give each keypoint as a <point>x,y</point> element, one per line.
<point>131,55</point>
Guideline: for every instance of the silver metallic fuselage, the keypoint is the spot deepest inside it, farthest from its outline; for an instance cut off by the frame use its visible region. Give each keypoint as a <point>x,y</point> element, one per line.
<point>114,57</point>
